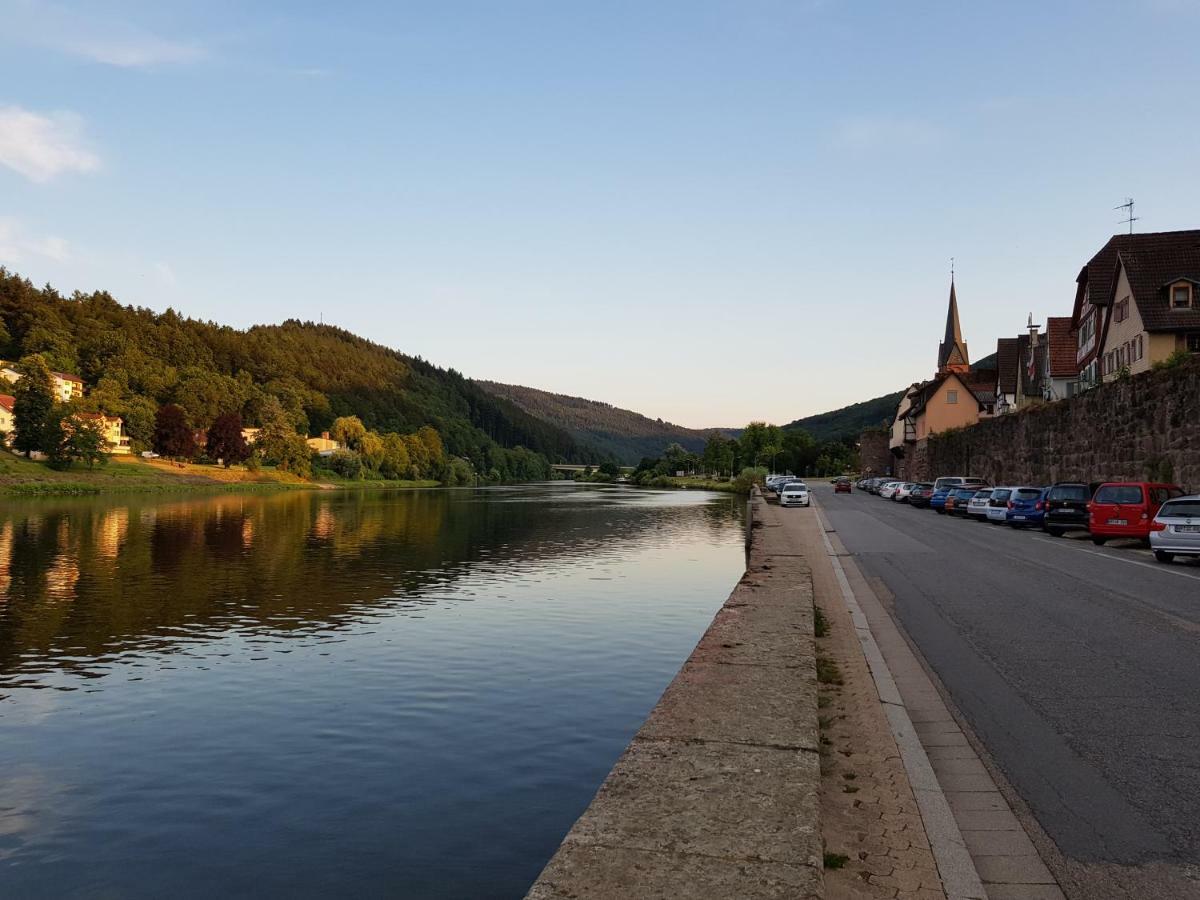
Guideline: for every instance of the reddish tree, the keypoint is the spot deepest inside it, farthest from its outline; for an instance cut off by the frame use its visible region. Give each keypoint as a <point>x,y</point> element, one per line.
<point>225,441</point>
<point>173,435</point>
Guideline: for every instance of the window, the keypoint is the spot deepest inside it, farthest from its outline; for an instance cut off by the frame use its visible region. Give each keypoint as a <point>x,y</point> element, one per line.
<point>1141,349</point>
<point>1193,343</point>
<point>1119,493</point>
<point>1181,296</point>
<point>951,396</point>
<point>1181,508</point>
<point>1121,311</point>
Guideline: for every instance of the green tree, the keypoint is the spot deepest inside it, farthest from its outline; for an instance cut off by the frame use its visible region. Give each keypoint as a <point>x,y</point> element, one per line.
<point>76,437</point>
<point>395,463</point>
<point>348,430</point>
<point>225,442</point>
<point>370,448</point>
<point>174,437</point>
<point>610,468</point>
<point>33,406</point>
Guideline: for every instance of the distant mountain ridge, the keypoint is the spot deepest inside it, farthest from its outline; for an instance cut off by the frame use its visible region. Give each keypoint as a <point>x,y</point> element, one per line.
<point>849,421</point>
<point>621,433</point>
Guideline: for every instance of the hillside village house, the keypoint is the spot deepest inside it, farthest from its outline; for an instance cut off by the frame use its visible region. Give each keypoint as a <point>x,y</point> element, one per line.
<point>955,397</point>
<point>66,387</point>
<point>1153,302</point>
<point>113,429</point>
<point>323,445</point>
<point>1007,366</point>
<point>6,417</point>
<point>1059,371</point>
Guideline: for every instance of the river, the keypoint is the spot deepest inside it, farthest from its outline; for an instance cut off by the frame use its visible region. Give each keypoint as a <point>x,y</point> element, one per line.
<point>401,694</point>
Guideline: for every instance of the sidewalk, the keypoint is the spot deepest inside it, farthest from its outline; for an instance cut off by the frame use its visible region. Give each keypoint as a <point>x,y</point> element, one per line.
<point>921,766</point>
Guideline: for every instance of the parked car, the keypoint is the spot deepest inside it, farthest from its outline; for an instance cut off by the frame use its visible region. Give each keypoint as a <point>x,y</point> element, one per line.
<point>944,485</point>
<point>1124,509</point>
<point>957,500</point>
<point>1066,507</point>
<point>888,490</point>
<point>977,506</point>
<point>794,493</point>
<point>841,486</point>
<point>997,512</point>
<point>920,495</point>
<point>1026,507</point>
<point>1175,530</point>
<point>904,492</point>
<point>877,484</point>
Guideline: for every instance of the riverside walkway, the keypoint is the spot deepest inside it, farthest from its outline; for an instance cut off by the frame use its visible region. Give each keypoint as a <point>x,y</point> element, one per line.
<point>779,763</point>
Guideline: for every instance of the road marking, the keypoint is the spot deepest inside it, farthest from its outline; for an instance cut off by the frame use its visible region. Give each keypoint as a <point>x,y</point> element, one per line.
<point>1157,567</point>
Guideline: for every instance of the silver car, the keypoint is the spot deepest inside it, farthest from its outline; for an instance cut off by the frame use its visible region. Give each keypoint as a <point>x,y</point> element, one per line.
<point>977,508</point>
<point>997,511</point>
<point>1175,530</point>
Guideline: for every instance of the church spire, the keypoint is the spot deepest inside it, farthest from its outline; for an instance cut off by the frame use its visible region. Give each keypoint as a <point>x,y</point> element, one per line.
<point>952,352</point>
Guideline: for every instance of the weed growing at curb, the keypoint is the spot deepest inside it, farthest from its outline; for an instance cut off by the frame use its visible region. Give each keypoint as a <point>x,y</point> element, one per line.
<point>828,671</point>
<point>825,721</point>
<point>823,701</point>
<point>820,623</point>
<point>835,860</point>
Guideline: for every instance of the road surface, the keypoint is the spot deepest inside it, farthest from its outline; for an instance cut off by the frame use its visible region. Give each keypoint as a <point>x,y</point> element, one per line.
<point>1077,667</point>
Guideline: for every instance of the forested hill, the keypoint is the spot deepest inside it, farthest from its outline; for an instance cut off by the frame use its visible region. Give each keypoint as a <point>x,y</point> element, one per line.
<point>132,360</point>
<point>627,435</point>
<point>849,421</point>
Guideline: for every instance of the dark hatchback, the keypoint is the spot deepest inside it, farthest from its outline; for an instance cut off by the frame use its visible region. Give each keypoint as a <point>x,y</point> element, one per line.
<point>920,495</point>
<point>958,498</point>
<point>1066,507</point>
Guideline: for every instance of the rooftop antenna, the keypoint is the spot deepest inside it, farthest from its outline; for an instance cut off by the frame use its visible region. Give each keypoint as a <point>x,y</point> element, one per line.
<point>952,268</point>
<point>1128,207</point>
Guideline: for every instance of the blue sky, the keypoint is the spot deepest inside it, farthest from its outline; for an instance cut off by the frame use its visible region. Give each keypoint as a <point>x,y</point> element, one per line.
<point>705,211</point>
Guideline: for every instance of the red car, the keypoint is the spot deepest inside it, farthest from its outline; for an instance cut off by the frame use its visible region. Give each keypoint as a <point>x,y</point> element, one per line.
<point>1124,509</point>
<point>841,486</point>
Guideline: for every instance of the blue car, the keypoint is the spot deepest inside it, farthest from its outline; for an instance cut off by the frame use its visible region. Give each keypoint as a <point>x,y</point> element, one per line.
<point>1026,507</point>
<point>937,500</point>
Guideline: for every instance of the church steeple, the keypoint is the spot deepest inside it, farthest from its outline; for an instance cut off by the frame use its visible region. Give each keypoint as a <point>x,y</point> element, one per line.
<point>952,352</point>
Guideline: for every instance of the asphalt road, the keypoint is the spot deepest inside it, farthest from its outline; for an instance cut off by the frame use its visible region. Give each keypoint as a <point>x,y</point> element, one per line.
<point>1078,668</point>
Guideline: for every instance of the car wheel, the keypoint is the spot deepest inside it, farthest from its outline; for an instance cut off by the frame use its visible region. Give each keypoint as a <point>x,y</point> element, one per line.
<point>1163,557</point>
<point>1054,532</point>
<point>1099,541</point>
<point>940,512</point>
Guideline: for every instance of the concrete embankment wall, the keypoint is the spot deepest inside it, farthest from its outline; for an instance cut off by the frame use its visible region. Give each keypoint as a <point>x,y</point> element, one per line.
<point>718,794</point>
<point>1146,427</point>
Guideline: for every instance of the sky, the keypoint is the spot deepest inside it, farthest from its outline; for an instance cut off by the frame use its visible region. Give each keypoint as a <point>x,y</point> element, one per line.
<point>709,212</point>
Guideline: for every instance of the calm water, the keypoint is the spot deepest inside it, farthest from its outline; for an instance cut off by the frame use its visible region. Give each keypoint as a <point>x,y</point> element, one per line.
<point>393,694</point>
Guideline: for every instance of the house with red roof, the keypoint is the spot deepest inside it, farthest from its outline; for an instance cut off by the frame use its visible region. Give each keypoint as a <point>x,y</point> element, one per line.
<point>1060,371</point>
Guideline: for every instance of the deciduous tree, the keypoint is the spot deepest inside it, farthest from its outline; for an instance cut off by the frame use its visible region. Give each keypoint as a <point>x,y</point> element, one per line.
<point>173,433</point>
<point>225,441</point>
<point>33,406</point>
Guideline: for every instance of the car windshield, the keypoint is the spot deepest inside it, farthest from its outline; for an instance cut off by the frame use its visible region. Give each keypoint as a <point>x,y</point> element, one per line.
<point>1119,493</point>
<point>944,484</point>
<point>1069,492</point>
<point>795,486</point>
<point>983,495</point>
<point>1181,508</point>
<point>1002,494</point>
<point>1027,494</point>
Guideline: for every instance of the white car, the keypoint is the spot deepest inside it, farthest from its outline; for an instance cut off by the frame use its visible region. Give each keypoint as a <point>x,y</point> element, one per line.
<point>1175,530</point>
<point>997,511</point>
<point>977,506</point>
<point>903,491</point>
<point>794,493</point>
<point>888,490</point>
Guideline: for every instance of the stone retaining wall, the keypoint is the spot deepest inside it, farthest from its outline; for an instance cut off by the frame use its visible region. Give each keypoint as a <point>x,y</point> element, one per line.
<point>1144,428</point>
<point>718,794</point>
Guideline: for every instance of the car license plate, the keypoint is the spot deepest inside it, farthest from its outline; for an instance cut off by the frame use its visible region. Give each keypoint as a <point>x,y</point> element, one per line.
<point>1188,529</point>
<point>1118,521</point>
<point>1019,518</point>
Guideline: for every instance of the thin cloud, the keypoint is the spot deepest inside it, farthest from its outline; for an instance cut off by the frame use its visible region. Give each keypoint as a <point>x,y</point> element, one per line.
<point>17,245</point>
<point>95,38</point>
<point>884,132</point>
<point>41,147</point>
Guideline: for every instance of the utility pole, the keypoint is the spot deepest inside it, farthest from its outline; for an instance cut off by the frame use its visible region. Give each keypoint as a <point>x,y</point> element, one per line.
<point>1130,217</point>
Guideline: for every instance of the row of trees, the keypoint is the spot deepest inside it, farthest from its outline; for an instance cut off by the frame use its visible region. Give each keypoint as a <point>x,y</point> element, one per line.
<point>759,446</point>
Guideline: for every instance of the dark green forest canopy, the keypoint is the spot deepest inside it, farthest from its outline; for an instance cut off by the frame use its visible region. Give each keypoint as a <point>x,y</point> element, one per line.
<point>132,360</point>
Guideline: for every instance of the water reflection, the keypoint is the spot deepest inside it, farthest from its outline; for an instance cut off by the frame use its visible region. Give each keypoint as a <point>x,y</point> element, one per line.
<point>411,694</point>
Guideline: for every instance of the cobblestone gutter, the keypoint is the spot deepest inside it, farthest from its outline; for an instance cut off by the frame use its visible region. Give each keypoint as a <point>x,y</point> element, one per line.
<point>718,794</point>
